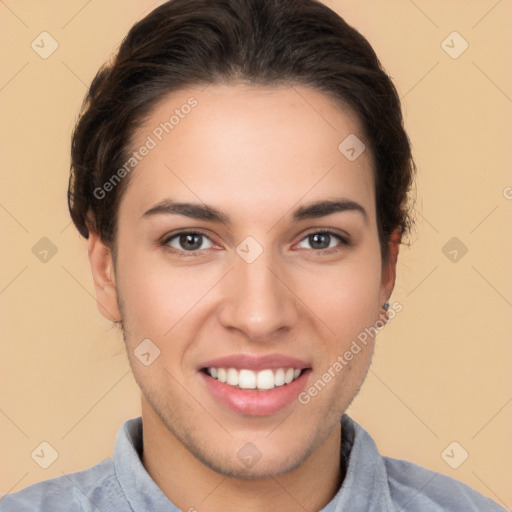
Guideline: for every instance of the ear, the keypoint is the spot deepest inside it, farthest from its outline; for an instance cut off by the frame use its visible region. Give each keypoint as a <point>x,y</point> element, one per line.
<point>102,268</point>
<point>389,268</point>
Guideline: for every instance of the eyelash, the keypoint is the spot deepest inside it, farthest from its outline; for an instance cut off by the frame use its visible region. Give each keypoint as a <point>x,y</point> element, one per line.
<point>344,242</point>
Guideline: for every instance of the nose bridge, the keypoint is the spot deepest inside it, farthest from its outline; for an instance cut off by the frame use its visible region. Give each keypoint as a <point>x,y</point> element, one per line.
<point>257,302</point>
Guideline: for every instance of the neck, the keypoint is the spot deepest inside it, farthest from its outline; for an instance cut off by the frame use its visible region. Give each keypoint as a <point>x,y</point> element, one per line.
<point>193,486</point>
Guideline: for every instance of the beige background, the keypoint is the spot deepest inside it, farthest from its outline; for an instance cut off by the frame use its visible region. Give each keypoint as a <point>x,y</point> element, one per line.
<point>441,370</point>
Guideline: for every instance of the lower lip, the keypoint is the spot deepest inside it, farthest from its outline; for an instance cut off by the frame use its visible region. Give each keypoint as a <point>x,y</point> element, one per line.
<point>254,402</point>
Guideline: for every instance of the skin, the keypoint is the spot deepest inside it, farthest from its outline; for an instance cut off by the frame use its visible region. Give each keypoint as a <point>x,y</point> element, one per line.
<point>256,154</point>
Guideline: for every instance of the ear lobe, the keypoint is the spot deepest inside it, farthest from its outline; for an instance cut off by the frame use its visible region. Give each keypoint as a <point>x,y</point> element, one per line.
<point>389,269</point>
<point>102,268</point>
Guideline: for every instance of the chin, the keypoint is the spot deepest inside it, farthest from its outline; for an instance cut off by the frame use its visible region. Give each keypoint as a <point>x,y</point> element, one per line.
<point>260,469</point>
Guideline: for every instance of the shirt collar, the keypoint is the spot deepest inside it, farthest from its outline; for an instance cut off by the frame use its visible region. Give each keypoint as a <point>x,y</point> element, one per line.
<point>365,486</point>
<point>139,488</point>
<point>364,489</point>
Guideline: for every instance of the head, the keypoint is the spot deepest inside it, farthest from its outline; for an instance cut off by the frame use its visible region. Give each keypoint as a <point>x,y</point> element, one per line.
<point>241,171</point>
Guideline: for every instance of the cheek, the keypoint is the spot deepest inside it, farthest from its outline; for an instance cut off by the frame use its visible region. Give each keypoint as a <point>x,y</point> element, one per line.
<point>344,296</point>
<point>158,299</point>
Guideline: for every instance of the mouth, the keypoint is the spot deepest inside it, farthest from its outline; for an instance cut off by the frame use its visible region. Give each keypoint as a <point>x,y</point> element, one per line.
<point>255,385</point>
<point>262,380</point>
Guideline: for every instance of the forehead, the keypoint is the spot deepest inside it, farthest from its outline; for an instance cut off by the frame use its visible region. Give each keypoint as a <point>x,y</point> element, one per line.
<point>261,149</point>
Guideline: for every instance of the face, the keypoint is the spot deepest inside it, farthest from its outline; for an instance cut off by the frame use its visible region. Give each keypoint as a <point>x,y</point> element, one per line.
<point>248,254</point>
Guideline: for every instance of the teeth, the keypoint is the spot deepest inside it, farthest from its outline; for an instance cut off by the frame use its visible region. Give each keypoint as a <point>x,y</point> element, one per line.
<point>248,379</point>
<point>265,379</point>
<point>288,376</point>
<point>278,377</point>
<point>232,377</point>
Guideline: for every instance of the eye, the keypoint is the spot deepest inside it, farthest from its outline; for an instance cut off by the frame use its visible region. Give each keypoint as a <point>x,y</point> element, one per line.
<point>324,241</point>
<point>188,241</point>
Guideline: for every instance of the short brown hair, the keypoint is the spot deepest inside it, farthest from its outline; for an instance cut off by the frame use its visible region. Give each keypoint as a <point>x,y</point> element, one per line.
<point>185,43</point>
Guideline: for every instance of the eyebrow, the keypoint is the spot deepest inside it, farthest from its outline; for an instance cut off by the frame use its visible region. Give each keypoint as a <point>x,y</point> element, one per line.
<point>208,213</point>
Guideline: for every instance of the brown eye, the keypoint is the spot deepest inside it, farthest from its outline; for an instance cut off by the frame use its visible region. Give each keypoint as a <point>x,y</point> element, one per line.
<point>323,240</point>
<point>320,240</point>
<point>188,242</point>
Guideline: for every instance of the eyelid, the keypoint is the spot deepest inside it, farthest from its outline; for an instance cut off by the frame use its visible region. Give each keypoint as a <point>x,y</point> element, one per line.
<point>185,231</point>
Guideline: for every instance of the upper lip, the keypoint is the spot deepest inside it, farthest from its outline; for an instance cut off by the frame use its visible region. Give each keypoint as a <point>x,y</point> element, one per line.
<point>255,362</point>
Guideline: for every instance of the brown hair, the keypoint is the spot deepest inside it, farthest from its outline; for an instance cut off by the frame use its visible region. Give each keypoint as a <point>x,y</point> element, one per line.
<point>186,43</point>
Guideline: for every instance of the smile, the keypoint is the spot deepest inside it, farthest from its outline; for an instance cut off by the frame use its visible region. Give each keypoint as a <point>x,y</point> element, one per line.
<point>248,379</point>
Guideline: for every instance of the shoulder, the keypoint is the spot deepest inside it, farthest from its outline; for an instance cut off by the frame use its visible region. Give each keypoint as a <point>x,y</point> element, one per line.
<point>416,489</point>
<point>83,491</point>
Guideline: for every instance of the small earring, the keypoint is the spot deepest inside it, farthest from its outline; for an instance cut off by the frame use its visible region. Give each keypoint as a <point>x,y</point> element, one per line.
<point>385,306</point>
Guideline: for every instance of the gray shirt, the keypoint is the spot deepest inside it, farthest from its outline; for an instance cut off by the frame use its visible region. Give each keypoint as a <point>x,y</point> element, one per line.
<point>372,483</point>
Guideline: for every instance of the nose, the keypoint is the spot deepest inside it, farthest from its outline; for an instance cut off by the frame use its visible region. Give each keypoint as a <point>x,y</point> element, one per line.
<point>258,300</point>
